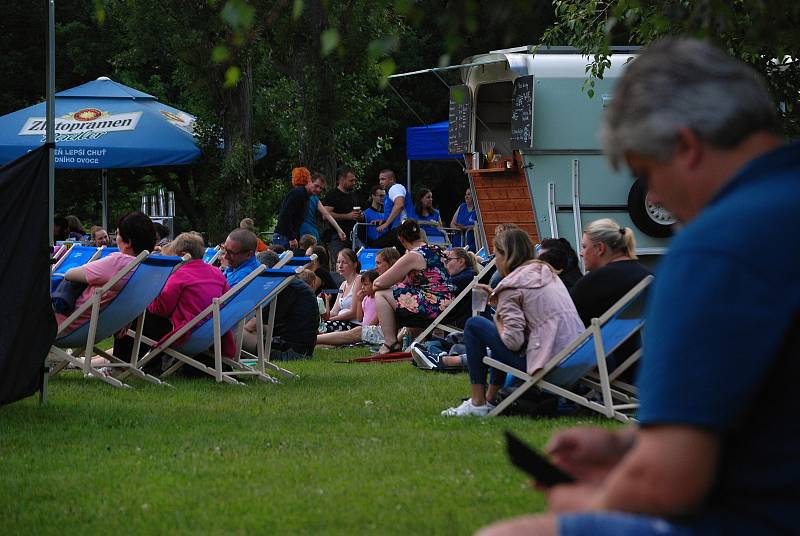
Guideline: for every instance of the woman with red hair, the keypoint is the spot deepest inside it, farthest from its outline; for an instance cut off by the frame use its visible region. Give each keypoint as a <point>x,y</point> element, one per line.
<point>300,177</point>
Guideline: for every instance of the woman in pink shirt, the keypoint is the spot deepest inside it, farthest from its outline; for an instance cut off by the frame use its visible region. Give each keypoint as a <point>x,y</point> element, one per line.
<point>189,290</point>
<point>135,233</point>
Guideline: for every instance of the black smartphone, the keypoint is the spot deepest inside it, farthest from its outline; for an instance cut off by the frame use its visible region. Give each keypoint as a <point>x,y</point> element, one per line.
<point>534,463</point>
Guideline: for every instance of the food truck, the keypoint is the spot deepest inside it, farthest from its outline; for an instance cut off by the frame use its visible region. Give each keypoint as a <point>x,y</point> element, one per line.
<point>528,130</point>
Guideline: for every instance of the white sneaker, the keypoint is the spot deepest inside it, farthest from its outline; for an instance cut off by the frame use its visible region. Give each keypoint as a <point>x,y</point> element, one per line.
<point>467,409</point>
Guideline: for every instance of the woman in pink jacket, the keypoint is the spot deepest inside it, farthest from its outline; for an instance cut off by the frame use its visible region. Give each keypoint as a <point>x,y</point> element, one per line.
<point>535,320</point>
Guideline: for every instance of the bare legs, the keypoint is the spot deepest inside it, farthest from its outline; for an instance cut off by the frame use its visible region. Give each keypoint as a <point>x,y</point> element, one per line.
<point>337,338</point>
<point>385,305</point>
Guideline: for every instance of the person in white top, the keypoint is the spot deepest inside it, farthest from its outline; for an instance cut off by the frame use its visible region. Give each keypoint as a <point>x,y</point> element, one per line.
<point>394,211</point>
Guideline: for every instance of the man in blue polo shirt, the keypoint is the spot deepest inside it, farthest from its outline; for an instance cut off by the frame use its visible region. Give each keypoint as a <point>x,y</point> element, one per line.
<point>239,255</point>
<point>717,450</point>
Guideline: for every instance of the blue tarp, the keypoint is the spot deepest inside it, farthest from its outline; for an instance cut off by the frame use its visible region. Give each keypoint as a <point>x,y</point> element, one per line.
<point>428,143</point>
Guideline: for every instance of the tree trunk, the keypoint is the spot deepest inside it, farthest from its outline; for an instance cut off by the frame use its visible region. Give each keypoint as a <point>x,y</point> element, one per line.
<point>237,167</point>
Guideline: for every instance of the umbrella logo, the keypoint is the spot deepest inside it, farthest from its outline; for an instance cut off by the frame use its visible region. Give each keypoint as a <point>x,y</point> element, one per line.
<point>84,124</point>
<point>87,114</point>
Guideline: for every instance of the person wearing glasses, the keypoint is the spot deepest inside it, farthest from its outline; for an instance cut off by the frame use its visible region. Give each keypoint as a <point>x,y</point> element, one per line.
<point>239,255</point>
<point>373,215</point>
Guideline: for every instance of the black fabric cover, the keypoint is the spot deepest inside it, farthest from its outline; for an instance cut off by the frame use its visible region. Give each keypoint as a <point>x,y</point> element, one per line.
<point>27,324</point>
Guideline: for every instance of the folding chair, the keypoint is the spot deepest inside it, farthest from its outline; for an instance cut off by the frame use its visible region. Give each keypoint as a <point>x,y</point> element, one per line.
<point>145,283</point>
<point>587,354</point>
<point>204,332</point>
<point>73,257</point>
<point>366,257</point>
<point>212,254</point>
<point>439,321</point>
<point>105,251</point>
<point>302,262</point>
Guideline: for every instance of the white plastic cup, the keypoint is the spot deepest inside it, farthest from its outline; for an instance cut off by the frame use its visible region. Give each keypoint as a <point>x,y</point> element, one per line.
<point>480,298</point>
<point>357,209</point>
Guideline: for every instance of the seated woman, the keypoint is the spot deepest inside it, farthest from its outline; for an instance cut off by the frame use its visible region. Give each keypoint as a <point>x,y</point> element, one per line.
<point>369,330</point>
<point>609,254</point>
<point>416,286</point>
<point>135,233</point>
<point>346,312</point>
<point>462,267</point>
<point>533,309</point>
<point>558,253</point>
<point>426,213</point>
<point>190,289</point>
<point>385,259</point>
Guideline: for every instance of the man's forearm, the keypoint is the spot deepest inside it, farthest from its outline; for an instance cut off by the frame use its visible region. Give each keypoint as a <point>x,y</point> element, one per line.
<point>396,210</point>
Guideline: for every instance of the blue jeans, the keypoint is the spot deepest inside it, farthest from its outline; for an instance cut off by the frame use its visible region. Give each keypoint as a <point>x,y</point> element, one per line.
<point>480,333</point>
<point>280,240</point>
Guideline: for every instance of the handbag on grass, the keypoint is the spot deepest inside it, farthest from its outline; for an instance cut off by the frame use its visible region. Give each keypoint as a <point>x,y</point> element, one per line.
<point>65,295</point>
<point>372,334</point>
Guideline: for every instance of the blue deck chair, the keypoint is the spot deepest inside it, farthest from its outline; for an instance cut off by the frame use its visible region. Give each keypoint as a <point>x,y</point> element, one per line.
<point>76,256</point>
<point>212,254</point>
<point>150,276</point>
<point>366,257</point>
<point>205,331</point>
<point>108,250</point>
<point>302,262</point>
<point>584,361</point>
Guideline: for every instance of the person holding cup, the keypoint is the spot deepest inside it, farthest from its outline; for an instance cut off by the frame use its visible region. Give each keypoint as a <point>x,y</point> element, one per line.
<point>533,307</point>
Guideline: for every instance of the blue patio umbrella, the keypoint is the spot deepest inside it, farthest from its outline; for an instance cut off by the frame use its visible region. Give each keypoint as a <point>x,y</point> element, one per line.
<point>103,124</point>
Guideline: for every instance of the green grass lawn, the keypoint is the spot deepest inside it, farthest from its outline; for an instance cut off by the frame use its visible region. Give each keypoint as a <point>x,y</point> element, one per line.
<point>343,449</point>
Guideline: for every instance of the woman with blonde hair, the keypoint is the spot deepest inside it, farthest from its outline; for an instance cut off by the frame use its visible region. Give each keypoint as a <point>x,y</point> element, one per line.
<point>535,320</point>
<point>609,255</point>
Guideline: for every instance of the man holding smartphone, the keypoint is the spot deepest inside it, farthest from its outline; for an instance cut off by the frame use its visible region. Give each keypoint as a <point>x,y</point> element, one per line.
<point>717,450</point>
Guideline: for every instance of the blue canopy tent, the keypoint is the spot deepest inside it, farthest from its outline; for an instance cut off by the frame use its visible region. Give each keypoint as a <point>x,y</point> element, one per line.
<point>427,142</point>
<point>104,124</point>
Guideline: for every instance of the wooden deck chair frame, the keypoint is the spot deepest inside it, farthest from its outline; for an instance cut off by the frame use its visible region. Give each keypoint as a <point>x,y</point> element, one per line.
<point>616,403</point>
<point>438,322</point>
<point>61,359</point>
<point>214,311</point>
<point>283,258</point>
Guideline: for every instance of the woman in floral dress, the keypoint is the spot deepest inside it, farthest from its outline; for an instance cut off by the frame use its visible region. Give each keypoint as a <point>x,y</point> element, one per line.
<point>416,285</point>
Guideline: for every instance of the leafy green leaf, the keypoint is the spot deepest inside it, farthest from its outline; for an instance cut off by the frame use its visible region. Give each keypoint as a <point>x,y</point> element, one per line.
<point>329,40</point>
<point>297,9</point>
<point>220,54</point>
<point>232,76</point>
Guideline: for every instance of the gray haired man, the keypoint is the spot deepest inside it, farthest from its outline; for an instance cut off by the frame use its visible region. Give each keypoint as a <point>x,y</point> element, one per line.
<point>717,450</point>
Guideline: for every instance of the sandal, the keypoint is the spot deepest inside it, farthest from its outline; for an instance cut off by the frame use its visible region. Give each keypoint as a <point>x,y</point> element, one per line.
<point>389,349</point>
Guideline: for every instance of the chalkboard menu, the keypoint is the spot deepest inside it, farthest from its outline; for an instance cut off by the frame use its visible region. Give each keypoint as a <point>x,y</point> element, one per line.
<point>458,128</point>
<point>522,113</point>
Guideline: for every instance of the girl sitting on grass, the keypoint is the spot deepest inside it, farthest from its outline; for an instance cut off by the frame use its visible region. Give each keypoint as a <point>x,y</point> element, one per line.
<point>369,330</point>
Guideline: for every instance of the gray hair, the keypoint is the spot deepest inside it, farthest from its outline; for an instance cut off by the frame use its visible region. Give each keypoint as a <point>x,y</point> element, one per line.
<point>677,83</point>
<point>187,243</point>
<point>245,238</point>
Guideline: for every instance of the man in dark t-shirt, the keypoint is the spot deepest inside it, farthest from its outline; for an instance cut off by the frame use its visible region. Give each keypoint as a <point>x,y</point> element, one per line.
<point>340,202</point>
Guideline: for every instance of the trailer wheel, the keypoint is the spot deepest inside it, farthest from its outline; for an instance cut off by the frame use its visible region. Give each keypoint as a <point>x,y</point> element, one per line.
<point>652,218</point>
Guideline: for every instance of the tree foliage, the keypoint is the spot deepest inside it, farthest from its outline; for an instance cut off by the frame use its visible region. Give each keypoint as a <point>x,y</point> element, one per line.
<point>763,33</point>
